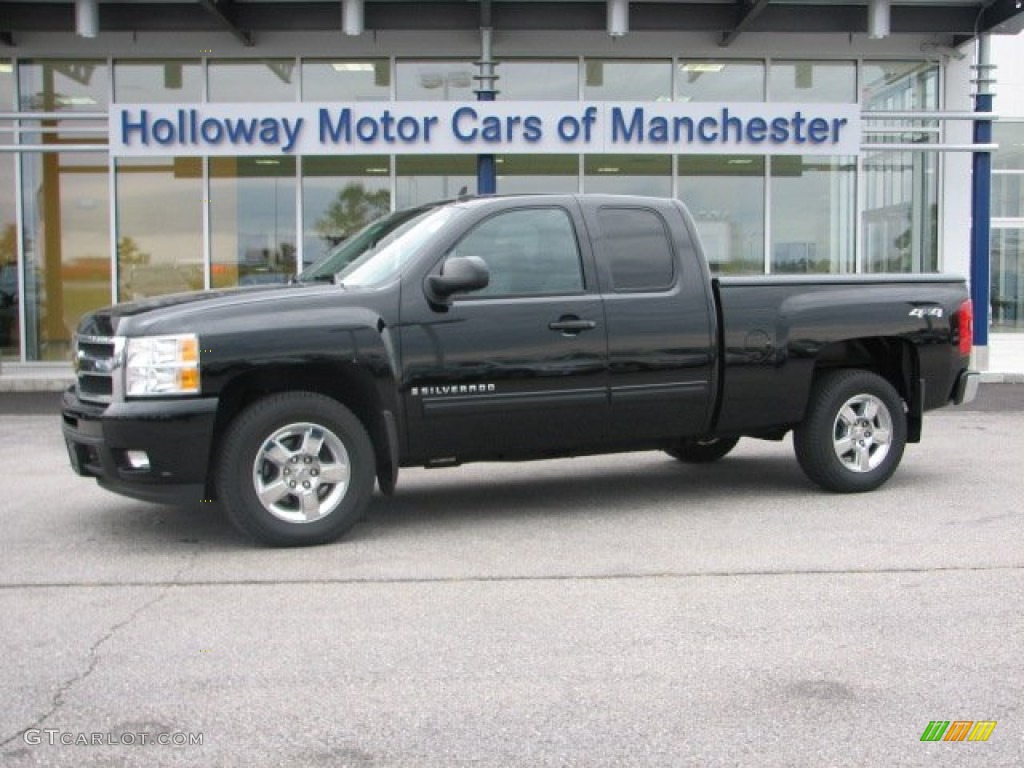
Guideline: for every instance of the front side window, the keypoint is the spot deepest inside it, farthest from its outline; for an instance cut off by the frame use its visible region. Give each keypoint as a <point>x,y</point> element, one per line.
<point>637,250</point>
<point>386,259</point>
<point>530,252</point>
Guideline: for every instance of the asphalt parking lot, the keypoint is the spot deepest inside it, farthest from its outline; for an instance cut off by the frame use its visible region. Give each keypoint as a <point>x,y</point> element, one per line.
<point>609,611</point>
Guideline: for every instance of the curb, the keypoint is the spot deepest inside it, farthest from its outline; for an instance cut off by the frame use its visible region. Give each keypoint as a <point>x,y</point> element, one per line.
<point>34,383</point>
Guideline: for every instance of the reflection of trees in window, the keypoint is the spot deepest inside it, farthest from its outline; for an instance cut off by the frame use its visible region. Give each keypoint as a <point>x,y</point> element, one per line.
<point>8,245</point>
<point>129,253</point>
<point>352,208</point>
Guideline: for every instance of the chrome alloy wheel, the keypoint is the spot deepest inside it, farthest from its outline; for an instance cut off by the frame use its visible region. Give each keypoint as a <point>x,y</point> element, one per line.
<point>301,473</point>
<point>862,433</point>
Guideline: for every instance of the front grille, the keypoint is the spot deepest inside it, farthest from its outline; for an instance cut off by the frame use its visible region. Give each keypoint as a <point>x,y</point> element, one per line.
<point>96,361</point>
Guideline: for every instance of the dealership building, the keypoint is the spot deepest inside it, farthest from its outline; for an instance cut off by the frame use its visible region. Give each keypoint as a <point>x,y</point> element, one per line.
<point>152,147</point>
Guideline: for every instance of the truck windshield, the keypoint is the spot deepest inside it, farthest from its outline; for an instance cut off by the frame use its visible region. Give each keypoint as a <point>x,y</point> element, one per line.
<point>386,259</point>
<point>347,251</point>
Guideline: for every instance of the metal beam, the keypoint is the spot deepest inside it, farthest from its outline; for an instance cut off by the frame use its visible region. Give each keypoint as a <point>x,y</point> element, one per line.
<point>243,19</point>
<point>222,13</point>
<point>747,14</point>
<point>1003,17</point>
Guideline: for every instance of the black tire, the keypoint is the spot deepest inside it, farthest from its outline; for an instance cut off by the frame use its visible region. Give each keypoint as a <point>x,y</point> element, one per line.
<point>309,457</point>
<point>853,436</point>
<point>702,451</point>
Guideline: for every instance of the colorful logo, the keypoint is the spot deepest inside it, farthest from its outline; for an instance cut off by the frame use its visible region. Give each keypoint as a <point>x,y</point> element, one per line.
<point>958,730</point>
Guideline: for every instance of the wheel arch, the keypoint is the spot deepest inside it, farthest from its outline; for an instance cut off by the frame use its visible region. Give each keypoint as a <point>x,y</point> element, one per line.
<point>895,360</point>
<point>347,383</point>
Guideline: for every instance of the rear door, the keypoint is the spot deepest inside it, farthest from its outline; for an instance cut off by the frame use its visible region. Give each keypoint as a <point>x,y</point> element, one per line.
<point>518,368</point>
<point>659,320</point>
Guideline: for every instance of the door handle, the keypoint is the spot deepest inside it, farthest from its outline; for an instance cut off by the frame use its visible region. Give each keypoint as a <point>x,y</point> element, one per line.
<point>570,325</point>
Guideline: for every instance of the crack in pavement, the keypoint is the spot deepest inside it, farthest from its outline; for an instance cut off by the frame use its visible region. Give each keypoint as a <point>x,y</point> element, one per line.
<point>58,699</point>
<point>512,578</point>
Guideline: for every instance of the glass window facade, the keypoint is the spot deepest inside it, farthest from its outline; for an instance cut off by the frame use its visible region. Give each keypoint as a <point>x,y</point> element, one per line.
<point>65,202</point>
<point>628,174</point>
<point>616,80</point>
<point>1007,257</point>
<point>899,228</point>
<point>423,178</point>
<point>719,80</point>
<point>339,196</point>
<point>525,80</point>
<point>253,81</point>
<point>435,80</point>
<point>346,80</point>
<point>812,81</point>
<point>10,294</point>
<point>812,214</point>
<point>532,174</point>
<point>170,81</point>
<point>94,229</point>
<point>252,220</point>
<point>725,195</point>
<point>160,226</point>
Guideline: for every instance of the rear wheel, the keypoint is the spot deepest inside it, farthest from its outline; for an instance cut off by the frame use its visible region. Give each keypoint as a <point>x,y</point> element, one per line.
<point>702,451</point>
<point>854,434</point>
<point>296,468</point>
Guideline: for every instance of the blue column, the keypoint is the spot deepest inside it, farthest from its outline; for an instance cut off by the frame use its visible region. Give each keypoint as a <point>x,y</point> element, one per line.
<point>486,165</point>
<point>981,222</point>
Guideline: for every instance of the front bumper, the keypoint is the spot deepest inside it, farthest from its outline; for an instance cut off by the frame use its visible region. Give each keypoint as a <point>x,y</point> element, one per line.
<point>966,388</point>
<point>175,435</point>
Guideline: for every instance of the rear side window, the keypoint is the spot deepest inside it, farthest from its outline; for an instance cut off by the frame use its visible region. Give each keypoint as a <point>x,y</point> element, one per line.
<point>637,249</point>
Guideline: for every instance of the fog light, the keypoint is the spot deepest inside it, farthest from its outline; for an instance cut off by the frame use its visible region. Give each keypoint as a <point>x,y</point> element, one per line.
<point>137,459</point>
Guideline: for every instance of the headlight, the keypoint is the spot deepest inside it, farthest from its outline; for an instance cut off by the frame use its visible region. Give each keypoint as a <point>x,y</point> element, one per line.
<point>162,365</point>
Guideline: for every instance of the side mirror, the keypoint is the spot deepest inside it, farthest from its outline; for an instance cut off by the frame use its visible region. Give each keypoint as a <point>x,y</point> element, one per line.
<point>459,275</point>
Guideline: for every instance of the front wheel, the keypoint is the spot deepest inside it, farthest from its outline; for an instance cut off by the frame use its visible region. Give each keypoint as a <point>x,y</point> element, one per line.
<point>853,436</point>
<point>295,469</point>
<point>702,451</point>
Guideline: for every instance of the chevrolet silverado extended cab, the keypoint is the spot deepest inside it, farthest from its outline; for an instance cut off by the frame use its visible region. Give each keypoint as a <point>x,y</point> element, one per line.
<point>504,328</point>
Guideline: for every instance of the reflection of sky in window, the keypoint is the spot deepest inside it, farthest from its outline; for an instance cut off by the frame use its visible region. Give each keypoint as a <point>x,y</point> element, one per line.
<point>1010,138</point>
<point>264,216</point>
<point>538,80</point>
<point>628,80</point>
<point>160,81</point>
<point>720,81</point>
<point>78,86</point>
<point>6,85</point>
<point>812,81</point>
<point>628,174</point>
<point>6,160</point>
<point>435,80</point>
<point>268,80</point>
<point>900,85</point>
<point>159,206</point>
<point>345,80</point>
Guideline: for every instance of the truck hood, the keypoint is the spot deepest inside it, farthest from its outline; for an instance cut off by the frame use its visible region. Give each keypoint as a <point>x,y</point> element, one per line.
<point>175,311</point>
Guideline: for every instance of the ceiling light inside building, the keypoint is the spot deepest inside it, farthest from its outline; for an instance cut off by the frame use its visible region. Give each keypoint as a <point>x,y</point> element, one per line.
<point>701,66</point>
<point>352,66</point>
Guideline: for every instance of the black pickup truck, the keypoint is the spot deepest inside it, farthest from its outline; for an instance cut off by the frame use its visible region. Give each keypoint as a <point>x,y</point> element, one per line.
<point>504,328</point>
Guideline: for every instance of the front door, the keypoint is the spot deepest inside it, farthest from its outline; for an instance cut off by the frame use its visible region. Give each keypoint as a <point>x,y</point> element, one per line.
<point>518,368</point>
